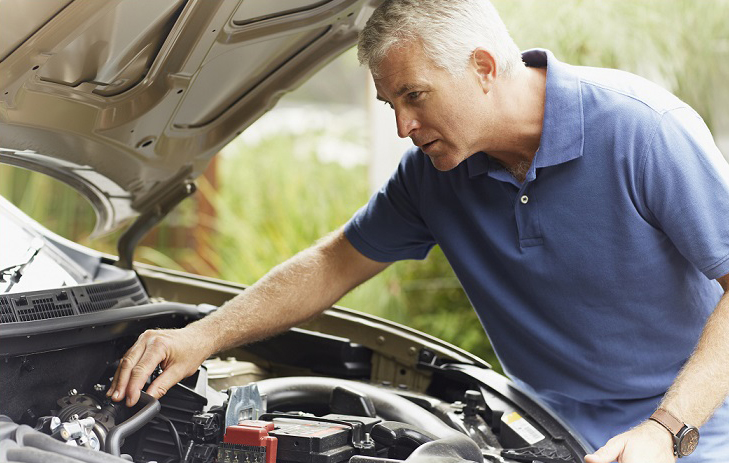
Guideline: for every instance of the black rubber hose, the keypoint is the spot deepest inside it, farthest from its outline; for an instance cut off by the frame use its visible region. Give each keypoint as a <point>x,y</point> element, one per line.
<point>294,391</point>
<point>389,433</point>
<point>452,449</point>
<point>115,438</point>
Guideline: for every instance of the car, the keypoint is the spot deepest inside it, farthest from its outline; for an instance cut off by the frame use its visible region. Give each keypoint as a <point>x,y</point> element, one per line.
<point>128,101</point>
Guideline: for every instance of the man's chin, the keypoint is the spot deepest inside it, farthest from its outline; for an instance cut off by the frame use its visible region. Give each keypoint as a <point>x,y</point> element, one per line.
<point>443,162</point>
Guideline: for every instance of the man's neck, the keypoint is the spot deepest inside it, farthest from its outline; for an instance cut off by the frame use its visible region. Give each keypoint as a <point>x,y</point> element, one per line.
<point>519,127</point>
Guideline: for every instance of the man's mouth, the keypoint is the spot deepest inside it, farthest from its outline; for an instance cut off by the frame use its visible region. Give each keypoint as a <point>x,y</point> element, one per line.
<point>428,145</point>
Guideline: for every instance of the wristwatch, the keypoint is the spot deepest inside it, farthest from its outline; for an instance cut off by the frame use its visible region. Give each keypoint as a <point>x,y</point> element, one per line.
<point>685,437</point>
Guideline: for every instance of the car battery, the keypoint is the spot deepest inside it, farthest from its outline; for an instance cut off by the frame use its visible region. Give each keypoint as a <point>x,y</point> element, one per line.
<point>304,441</point>
<point>288,438</point>
<point>250,442</point>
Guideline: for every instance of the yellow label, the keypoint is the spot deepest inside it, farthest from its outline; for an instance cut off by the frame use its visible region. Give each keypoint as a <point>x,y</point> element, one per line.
<point>511,417</point>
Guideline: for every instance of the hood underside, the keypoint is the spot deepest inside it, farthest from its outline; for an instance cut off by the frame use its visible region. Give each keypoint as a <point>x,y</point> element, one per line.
<point>127,101</point>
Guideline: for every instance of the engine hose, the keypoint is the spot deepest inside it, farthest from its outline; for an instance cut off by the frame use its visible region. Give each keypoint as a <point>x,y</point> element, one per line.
<point>452,449</point>
<point>31,455</point>
<point>292,391</point>
<point>34,444</point>
<point>116,436</point>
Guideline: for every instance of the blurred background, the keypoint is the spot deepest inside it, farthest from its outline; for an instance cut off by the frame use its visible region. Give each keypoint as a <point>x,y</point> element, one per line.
<point>306,166</point>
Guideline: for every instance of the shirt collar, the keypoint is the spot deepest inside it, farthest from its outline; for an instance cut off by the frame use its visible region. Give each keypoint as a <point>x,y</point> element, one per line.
<point>562,129</point>
<point>478,163</point>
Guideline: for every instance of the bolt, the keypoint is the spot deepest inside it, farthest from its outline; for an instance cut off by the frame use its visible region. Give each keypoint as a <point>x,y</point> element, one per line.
<point>412,351</point>
<point>72,392</point>
<point>74,417</point>
<point>94,442</point>
<point>380,339</point>
<point>99,387</point>
<point>472,396</point>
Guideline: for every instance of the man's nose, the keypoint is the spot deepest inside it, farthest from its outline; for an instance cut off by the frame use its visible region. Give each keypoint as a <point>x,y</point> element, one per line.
<point>406,123</point>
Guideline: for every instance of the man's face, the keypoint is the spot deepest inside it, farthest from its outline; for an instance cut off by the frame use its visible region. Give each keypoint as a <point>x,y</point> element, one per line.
<point>442,114</point>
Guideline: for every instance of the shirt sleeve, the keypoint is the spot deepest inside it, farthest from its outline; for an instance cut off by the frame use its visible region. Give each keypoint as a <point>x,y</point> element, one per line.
<point>686,186</point>
<point>390,226</point>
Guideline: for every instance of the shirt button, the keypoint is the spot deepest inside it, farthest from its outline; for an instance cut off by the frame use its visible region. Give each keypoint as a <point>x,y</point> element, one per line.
<point>524,199</point>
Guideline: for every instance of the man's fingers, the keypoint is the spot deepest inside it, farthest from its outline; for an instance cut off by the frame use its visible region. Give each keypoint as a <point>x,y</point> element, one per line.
<point>121,376</point>
<point>155,352</point>
<point>137,365</point>
<point>164,382</point>
<point>607,453</point>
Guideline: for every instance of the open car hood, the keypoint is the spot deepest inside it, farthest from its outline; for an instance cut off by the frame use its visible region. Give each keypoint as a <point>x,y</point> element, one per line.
<point>127,101</point>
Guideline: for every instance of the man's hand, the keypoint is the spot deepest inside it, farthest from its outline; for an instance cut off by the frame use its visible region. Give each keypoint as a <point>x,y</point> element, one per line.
<point>647,442</point>
<point>178,352</point>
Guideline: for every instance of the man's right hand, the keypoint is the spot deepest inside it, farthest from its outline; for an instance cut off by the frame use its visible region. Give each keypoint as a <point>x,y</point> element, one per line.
<point>179,352</point>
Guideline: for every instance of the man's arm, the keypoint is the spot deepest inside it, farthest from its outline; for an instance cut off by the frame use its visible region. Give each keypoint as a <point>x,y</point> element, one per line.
<point>700,387</point>
<point>289,294</point>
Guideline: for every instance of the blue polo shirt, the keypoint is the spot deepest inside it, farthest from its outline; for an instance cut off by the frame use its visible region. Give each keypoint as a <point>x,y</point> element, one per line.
<point>594,277</point>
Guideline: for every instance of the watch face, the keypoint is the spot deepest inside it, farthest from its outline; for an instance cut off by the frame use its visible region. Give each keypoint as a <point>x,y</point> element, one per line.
<point>688,441</point>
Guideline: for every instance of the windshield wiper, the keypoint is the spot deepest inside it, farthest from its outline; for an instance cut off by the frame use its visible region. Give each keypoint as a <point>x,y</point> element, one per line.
<point>15,272</point>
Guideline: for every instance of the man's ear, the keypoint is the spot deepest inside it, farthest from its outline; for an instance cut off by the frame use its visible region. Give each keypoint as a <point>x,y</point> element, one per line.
<point>484,65</point>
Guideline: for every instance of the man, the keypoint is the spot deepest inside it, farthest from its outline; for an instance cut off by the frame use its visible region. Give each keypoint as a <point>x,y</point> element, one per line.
<point>583,210</point>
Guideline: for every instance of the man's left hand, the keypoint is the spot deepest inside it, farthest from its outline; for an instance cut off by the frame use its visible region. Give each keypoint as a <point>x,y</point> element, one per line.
<point>647,442</point>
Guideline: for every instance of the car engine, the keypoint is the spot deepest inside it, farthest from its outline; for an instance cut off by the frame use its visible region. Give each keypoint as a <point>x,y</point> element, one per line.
<point>287,419</point>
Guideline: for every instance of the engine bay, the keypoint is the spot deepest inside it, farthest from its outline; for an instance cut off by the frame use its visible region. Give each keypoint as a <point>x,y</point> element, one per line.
<point>303,396</point>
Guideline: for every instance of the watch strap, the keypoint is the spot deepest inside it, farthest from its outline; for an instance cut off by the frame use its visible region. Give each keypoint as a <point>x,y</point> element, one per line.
<point>668,421</point>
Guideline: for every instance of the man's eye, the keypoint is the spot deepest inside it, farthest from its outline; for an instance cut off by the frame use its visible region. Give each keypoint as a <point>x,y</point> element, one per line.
<point>412,96</point>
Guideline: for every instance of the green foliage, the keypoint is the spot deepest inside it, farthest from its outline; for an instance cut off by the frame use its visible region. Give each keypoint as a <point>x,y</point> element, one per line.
<point>681,44</point>
<point>280,198</point>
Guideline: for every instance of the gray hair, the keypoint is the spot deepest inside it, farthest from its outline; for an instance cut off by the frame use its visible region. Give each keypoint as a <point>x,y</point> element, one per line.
<point>449,31</point>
